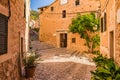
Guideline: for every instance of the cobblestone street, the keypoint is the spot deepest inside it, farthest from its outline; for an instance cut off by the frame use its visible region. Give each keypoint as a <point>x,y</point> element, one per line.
<point>60,63</point>
<point>59,39</point>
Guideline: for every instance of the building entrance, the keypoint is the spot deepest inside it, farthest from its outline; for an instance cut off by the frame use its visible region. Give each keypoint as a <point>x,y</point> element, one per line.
<point>63,40</point>
<point>112,44</point>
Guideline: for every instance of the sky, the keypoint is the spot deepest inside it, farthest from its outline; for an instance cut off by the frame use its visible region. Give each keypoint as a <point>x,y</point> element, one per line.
<point>35,4</point>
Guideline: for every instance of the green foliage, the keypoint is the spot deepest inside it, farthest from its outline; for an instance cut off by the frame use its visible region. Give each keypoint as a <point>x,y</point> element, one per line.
<point>29,61</point>
<point>96,40</point>
<point>34,15</point>
<point>96,52</point>
<point>36,29</point>
<point>106,69</point>
<point>85,26</point>
<point>83,23</point>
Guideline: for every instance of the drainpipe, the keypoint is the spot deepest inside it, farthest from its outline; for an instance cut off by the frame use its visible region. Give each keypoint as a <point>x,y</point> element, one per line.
<point>9,9</point>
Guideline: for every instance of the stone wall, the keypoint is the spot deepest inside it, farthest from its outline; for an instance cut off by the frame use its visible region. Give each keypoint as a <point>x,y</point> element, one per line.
<point>52,24</point>
<point>9,68</point>
<point>110,26</point>
<point>117,37</point>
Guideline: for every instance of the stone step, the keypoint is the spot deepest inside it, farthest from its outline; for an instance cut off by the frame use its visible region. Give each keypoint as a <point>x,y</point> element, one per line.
<point>77,53</point>
<point>73,52</point>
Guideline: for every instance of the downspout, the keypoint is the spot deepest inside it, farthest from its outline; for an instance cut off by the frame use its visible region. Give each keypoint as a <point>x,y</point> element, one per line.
<point>9,9</point>
<point>106,3</point>
<point>99,9</point>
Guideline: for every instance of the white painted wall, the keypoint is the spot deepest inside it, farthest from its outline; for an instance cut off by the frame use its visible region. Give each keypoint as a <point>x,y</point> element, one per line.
<point>27,25</point>
<point>63,1</point>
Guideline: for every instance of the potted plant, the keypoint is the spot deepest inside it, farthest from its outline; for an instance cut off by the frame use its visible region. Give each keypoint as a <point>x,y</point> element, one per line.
<point>30,64</point>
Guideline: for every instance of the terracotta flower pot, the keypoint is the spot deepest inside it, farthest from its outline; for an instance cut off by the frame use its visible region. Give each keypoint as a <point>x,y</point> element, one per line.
<point>29,71</point>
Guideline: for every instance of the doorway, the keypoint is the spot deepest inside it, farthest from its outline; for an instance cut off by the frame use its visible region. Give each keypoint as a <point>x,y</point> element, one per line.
<point>112,44</point>
<point>63,40</point>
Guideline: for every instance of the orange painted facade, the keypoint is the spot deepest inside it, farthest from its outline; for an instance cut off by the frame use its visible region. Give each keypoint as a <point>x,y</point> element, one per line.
<point>52,24</point>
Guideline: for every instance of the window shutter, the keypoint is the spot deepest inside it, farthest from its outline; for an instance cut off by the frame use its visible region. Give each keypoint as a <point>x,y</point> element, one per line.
<point>101,24</point>
<point>105,21</point>
<point>3,33</point>
<point>64,14</point>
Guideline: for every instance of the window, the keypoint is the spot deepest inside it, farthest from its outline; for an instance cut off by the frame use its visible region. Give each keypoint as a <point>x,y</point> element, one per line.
<point>3,33</point>
<point>76,2</point>
<point>103,23</point>
<point>52,8</point>
<point>64,14</point>
<point>41,9</point>
<point>73,40</point>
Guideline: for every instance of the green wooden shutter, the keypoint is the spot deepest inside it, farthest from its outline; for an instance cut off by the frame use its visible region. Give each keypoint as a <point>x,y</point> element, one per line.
<point>105,22</point>
<point>101,24</point>
<point>3,33</point>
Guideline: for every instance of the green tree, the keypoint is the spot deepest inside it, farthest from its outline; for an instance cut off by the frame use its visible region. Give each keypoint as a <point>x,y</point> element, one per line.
<point>34,15</point>
<point>87,26</point>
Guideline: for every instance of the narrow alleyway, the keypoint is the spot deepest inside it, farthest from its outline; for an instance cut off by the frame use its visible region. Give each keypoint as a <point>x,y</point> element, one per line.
<point>60,63</point>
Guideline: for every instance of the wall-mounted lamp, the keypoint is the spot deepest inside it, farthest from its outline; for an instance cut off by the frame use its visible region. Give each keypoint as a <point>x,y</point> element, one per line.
<point>95,27</point>
<point>54,34</point>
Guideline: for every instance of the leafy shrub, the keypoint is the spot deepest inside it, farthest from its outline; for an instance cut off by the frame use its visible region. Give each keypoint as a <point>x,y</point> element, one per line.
<point>30,58</point>
<point>106,69</point>
<point>97,52</point>
<point>36,29</point>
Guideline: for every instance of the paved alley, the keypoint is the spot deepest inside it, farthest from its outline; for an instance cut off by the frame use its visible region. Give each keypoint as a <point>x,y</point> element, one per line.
<point>60,63</point>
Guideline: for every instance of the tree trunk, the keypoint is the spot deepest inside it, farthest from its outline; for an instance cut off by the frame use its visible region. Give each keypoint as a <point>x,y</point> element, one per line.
<point>91,48</point>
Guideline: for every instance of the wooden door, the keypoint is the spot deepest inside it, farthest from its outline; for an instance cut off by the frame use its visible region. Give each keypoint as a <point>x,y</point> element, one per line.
<point>112,44</point>
<point>63,40</point>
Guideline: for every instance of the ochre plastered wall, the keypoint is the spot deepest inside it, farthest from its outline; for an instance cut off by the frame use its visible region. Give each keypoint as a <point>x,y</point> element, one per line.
<point>52,23</point>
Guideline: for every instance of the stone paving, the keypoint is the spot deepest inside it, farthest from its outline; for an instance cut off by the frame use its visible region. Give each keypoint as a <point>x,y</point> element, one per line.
<point>64,70</point>
<point>60,63</point>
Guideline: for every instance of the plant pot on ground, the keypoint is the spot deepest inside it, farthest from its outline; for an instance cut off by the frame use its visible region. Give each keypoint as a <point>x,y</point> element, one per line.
<point>30,64</point>
<point>29,71</point>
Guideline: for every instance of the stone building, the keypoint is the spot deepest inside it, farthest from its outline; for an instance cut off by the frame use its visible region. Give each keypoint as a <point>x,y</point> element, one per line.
<point>12,38</point>
<point>110,28</point>
<point>117,31</point>
<point>108,23</point>
<point>56,18</point>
